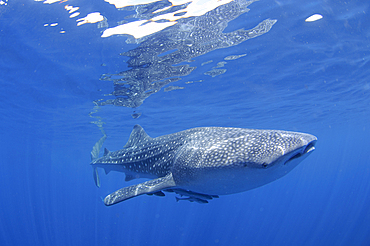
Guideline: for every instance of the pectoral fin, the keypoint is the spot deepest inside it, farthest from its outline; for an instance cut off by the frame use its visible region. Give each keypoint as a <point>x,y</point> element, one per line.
<point>151,186</point>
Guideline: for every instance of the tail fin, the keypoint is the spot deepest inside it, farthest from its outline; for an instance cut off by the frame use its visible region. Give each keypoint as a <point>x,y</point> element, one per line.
<point>96,177</point>
<point>95,154</point>
<point>97,146</point>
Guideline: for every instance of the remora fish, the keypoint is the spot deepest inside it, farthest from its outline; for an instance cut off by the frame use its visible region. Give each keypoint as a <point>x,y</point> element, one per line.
<point>204,162</point>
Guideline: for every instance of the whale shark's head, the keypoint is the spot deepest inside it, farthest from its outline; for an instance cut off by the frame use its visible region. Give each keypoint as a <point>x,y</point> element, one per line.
<point>274,154</point>
<point>249,160</point>
<point>273,148</point>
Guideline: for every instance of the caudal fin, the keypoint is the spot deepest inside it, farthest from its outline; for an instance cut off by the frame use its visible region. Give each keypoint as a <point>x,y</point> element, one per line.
<point>95,154</point>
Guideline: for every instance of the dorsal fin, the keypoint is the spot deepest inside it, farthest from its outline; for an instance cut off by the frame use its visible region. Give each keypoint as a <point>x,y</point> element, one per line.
<point>106,151</point>
<point>137,136</point>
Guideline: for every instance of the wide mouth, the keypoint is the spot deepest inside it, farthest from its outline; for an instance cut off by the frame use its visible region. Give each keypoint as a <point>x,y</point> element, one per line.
<point>309,148</point>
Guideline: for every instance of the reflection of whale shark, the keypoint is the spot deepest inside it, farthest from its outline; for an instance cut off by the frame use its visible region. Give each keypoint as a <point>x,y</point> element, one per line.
<point>202,163</point>
<point>164,57</point>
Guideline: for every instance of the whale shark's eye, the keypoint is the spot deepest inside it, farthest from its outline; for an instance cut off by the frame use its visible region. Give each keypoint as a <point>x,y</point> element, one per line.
<point>264,165</point>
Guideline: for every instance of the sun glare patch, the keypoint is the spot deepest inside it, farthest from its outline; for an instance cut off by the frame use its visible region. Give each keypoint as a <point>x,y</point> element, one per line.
<point>313,18</point>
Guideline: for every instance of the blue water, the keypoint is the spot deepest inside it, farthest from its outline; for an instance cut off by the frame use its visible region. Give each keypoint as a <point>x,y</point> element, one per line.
<point>308,77</point>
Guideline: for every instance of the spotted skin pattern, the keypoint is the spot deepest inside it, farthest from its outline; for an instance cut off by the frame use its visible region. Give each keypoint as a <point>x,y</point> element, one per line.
<point>202,163</point>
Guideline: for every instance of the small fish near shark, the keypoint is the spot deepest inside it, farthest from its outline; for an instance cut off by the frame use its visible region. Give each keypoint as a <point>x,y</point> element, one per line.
<point>202,163</point>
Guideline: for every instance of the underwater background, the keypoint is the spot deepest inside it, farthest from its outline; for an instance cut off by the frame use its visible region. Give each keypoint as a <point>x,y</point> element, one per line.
<point>64,84</point>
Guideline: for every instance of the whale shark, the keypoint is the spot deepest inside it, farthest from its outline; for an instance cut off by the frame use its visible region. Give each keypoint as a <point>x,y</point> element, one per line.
<point>200,164</point>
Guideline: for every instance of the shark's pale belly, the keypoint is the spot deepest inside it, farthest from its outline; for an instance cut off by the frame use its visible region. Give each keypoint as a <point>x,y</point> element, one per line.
<point>233,180</point>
